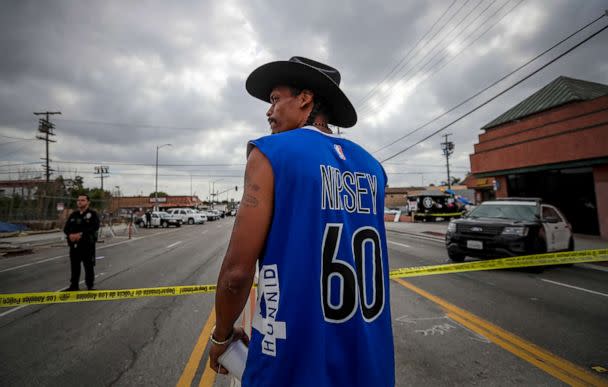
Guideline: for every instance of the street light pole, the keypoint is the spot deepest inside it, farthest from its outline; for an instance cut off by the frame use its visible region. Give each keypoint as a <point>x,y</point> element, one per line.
<point>156,177</point>
<point>213,194</point>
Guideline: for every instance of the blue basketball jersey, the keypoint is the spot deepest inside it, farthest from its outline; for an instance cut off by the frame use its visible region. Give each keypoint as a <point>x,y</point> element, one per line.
<point>323,310</point>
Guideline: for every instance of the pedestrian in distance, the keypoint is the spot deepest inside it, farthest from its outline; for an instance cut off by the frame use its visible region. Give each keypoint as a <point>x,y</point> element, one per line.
<point>81,231</point>
<point>148,219</point>
<point>311,217</point>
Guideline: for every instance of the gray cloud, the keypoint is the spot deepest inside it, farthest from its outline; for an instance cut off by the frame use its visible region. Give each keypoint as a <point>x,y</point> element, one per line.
<point>148,73</point>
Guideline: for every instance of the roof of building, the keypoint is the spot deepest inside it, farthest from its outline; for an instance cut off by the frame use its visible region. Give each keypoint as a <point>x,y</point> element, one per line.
<point>400,190</point>
<point>561,91</point>
<point>429,192</point>
<point>164,202</point>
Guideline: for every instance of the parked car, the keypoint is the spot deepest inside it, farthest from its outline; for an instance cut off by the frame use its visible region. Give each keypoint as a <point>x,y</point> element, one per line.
<point>508,227</point>
<point>188,215</point>
<point>212,215</point>
<point>159,219</point>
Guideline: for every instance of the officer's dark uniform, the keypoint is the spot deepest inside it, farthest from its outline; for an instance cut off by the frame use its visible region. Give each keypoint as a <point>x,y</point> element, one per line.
<point>87,224</point>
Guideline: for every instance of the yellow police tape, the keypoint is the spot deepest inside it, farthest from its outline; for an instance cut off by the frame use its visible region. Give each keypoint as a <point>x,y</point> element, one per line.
<point>569,257</point>
<point>9,300</point>
<point>564,258</point>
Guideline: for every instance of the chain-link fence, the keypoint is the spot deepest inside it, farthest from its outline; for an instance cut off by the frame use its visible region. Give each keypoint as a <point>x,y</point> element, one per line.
<point>43,208</point>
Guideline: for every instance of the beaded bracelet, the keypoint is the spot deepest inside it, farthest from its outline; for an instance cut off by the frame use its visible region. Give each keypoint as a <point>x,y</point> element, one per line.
<point>217,342</point>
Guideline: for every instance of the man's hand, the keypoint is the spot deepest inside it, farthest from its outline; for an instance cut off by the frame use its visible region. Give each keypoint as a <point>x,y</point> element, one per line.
<point>217,350</point>
<point>75,237</point>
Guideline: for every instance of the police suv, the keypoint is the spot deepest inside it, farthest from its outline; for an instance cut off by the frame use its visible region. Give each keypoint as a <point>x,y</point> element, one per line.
<point>508,227</point>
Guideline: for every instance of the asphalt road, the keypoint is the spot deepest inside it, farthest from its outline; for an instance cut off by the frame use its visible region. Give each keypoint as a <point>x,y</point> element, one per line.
<point>484,328</point>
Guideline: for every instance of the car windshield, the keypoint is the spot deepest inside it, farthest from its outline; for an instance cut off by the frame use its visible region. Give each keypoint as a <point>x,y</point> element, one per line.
<point>505,211</point>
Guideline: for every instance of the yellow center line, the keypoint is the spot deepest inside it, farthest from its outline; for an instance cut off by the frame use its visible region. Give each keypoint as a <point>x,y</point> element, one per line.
<point>209,375</point>
<point>552,364</point>
<point>517,352</point>
<point>197,353</point>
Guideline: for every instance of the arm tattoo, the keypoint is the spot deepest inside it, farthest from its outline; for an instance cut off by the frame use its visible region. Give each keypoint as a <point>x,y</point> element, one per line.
<point>249,184</point>
<point>250,200</point>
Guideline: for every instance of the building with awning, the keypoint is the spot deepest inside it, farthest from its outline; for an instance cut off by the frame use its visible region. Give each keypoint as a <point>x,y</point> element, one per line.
<point>552,145</point>
<point>122,204</point>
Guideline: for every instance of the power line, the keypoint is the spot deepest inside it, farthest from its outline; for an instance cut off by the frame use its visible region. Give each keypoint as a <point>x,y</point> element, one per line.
<point>369,105</point>
<point>430,73</point>
<point>371,92</point>
<point>128,125</point>
<point>18,165</point>
<point>497,95</point>
<point>434,53</point>
<point>135,164</point>
<point>17,138</point>
<point>489,86</point>
<point>12,142</point>
<point>431,39</point>
<point>426,43</point>
<point>210,175</point>
<point>153,164</point>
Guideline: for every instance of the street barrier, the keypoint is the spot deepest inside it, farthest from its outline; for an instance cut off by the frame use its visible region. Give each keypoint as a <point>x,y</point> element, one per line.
<point>563,258</point>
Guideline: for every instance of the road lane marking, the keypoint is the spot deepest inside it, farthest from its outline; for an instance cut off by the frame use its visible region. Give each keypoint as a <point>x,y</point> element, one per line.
<point>23,306</point>
<point>516,351</point>
<point>197,353</point>
<point>574,287</point>
<point>98,247</point>
<point>208,378</point>
<point>174,244</point>
<point>555,366</point>
<point>418,236</point>
<point>399,244</point>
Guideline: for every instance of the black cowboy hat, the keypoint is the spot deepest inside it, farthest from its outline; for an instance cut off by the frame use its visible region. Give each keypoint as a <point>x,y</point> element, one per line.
<point>305,73</point>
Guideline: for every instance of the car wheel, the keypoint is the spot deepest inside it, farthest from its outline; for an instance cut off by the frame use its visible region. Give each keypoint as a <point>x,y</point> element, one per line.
<point>164,224</point>
<point>456,257</point>
<point>571,244</point>
<point>190,221</point>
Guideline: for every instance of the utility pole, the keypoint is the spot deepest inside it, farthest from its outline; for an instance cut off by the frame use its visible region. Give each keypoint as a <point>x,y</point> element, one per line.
<point>156,177</point>
<point>448,148</point>
<point>46,127</point>
<point>101,170</point>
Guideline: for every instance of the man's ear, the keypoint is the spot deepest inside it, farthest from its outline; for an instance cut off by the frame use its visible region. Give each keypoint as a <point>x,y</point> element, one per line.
<point>306,98</point>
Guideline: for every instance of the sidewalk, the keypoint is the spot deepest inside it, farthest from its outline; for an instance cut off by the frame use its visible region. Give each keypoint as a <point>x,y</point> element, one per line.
<point>437,230</point>
<point>25,241</point>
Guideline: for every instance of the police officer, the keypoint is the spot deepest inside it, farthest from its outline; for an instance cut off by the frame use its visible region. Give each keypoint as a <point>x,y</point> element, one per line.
<point>148,219</point>
<point>81,231</point>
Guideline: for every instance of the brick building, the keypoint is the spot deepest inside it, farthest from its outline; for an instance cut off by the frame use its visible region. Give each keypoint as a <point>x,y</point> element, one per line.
<point>145,203</point>
<point>552,145</point>
<point>394,197</point>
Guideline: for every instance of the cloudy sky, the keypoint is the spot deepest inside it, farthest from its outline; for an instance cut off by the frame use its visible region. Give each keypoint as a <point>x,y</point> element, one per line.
<point>131,76</point>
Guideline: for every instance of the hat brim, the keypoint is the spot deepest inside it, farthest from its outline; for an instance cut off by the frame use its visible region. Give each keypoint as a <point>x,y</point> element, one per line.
<point>266,77</point>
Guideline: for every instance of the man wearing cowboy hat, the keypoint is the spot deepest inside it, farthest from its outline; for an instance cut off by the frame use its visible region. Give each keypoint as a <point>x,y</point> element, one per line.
<point>311,216</point>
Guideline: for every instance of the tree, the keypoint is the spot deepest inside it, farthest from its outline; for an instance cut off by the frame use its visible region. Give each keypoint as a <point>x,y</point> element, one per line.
<point>160,194</point>
<point>455,181</point>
